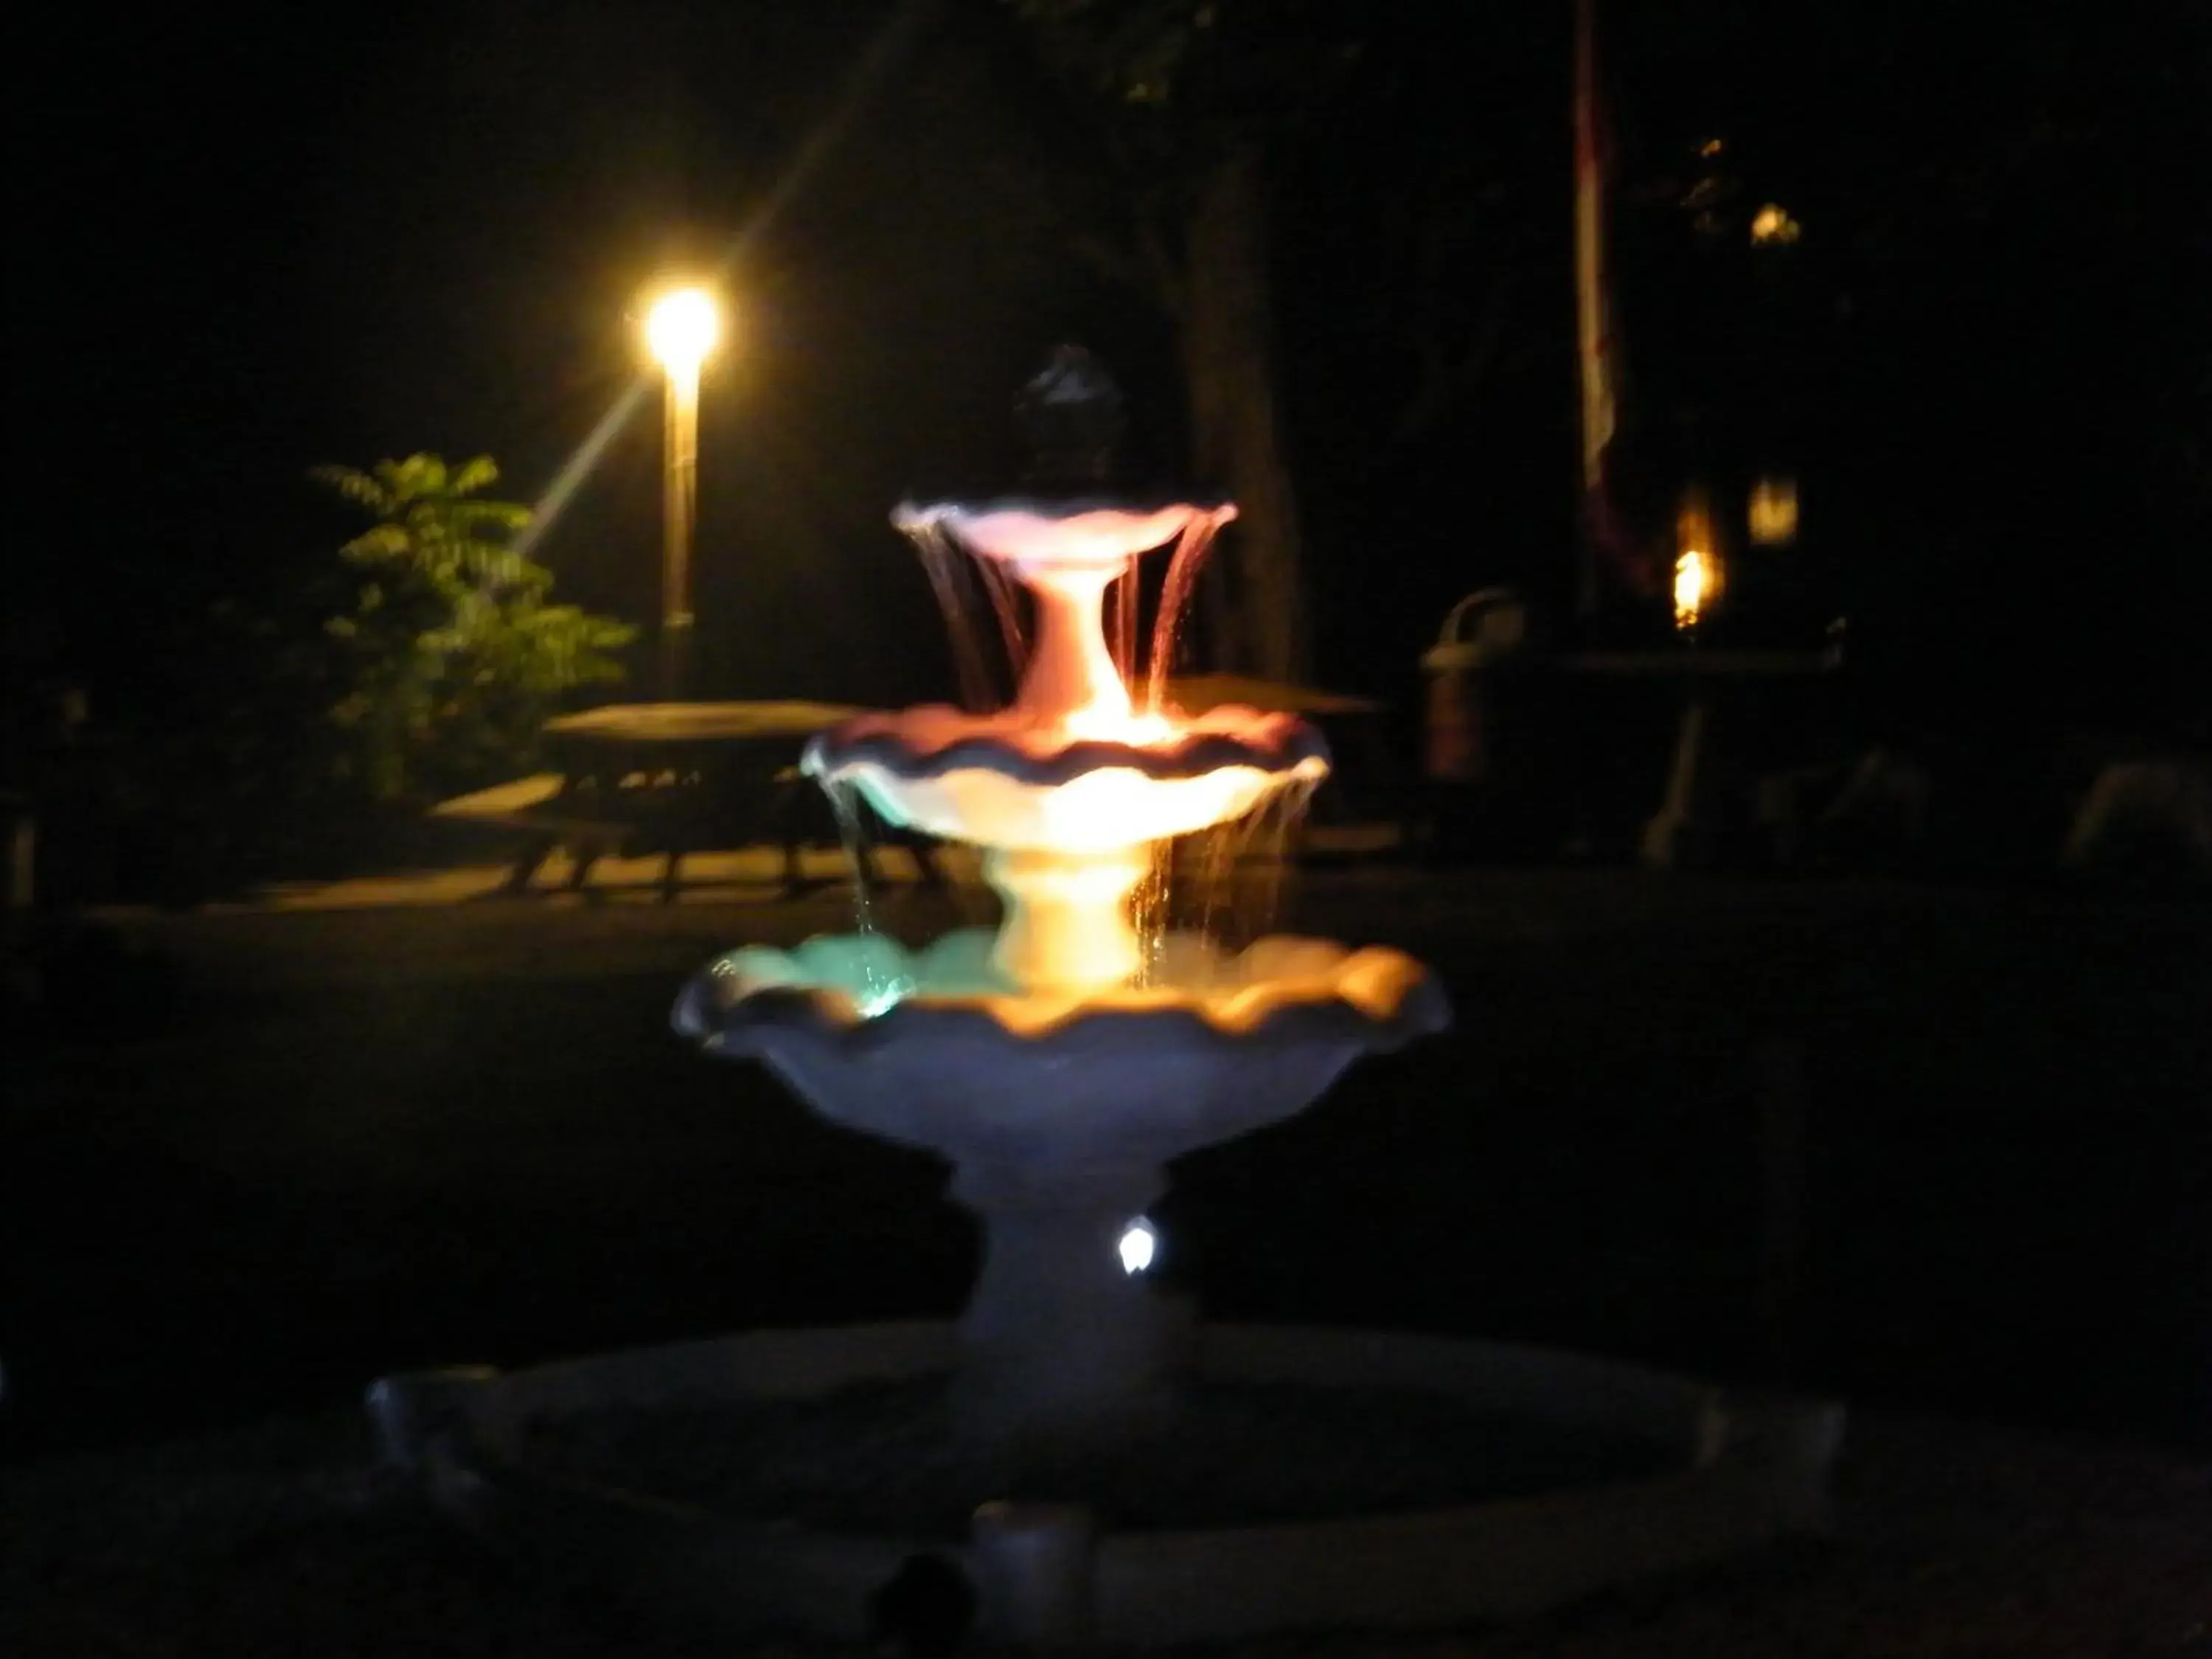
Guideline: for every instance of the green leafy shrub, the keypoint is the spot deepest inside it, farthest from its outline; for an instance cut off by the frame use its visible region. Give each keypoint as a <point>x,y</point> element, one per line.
<point>450,657</point>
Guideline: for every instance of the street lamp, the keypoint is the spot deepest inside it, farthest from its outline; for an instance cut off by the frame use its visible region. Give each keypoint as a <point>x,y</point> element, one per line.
<point>680,330</point>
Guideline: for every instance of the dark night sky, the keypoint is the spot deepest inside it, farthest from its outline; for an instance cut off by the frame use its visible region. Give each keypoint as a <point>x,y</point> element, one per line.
<point>254,243</point>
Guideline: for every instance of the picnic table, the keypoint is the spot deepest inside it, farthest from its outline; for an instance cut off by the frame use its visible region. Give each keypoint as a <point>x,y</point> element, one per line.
<point>1682,818</point>
<point>674,778</point>
<point>1360,813</point>
<point>1196,693</point>
<point>670,778</point>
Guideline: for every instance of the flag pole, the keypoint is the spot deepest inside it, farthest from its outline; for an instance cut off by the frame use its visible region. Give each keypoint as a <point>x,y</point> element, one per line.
<point>1591,345</point>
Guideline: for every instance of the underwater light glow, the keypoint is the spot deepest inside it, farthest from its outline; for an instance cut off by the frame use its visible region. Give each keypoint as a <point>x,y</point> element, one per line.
<point>1139,1245</point>
<point>879,999</point>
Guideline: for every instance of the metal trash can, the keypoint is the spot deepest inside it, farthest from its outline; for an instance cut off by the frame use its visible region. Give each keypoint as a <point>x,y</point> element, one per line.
<point>1482,631</point>
<point>19,836</point>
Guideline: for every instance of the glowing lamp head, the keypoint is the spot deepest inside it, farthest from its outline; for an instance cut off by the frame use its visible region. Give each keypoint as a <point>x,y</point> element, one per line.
<point>1139,1243</point>
<point>682,329</point>
<point>1692,583</point>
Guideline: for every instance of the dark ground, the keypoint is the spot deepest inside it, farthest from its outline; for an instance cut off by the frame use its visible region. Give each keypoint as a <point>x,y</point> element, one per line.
<point>285,1542</point>
<point>376,1139</point>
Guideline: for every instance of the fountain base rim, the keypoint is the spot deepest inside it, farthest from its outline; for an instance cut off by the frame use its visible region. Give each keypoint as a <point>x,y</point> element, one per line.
<point>1744,1470</point>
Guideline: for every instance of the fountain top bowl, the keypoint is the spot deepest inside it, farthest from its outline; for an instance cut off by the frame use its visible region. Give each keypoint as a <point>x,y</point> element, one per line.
<point>1081,531</point>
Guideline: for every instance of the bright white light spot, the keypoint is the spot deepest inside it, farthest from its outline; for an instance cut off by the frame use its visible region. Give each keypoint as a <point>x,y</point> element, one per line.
<point>883,997</point>
<point>682,329</point>
<point>1138,1242</point>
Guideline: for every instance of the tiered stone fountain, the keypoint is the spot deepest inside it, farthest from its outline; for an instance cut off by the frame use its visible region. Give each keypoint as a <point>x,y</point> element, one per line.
<point>1058,1062</point>
<point>1061,1063</point>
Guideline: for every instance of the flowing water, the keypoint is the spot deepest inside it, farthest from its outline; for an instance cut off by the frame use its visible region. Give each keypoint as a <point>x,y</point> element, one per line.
<point>963,588</point>
<point>966,587</point>
<point>1175,599</point>
<point>1269,855</point>
<point>1226,882</point>
<point>1121,631</point>
<point>885,985</point>
<point>845,802</point>
<point>1004,595</point>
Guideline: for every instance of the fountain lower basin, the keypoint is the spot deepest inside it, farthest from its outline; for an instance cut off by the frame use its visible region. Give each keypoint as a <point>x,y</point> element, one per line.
<point>1059,1111</point>
<point>855,982</point>
<point>1728,1473</point>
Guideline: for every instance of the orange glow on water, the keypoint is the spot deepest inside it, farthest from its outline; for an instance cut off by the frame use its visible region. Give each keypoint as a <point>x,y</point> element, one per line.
<point>1100,722</point>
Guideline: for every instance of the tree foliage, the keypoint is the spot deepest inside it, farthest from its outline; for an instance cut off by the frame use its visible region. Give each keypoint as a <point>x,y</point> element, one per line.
<point>451,656</point>
<point>1185,95</point>
<point>1235,129</point>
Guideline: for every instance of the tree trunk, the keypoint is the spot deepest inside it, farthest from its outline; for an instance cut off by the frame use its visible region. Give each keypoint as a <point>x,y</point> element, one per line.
<point>1256,607</point>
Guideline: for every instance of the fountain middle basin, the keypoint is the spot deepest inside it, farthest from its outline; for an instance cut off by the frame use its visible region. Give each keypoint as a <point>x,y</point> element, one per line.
<point>1003,781</point>
<point>1068,809</point>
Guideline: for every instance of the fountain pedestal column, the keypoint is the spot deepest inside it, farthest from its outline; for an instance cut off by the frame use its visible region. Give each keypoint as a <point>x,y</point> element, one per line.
<point>1068,926</point>
<point>1062,1349</point>
<point>1070,671</point>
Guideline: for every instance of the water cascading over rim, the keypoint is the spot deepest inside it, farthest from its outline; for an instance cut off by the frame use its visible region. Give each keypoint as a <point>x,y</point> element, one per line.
<point>1067,789</point>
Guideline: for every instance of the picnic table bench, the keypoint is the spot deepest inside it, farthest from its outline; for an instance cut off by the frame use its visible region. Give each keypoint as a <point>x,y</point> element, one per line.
<point>1679,831</point>
<point>639,779</point>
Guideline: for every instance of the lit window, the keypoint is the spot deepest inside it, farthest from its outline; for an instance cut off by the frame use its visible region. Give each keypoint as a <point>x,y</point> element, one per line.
<point>1773,512</point>
<point>1771,225</point>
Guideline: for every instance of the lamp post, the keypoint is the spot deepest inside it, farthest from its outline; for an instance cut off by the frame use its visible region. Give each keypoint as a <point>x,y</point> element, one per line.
<point>680,330</point>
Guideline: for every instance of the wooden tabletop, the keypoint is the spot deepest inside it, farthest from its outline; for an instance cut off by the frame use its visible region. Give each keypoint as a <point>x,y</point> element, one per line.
<point>644,723</point>
<point>1196,693</point>
<point>698,722</point>
<point>1692,663</point>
